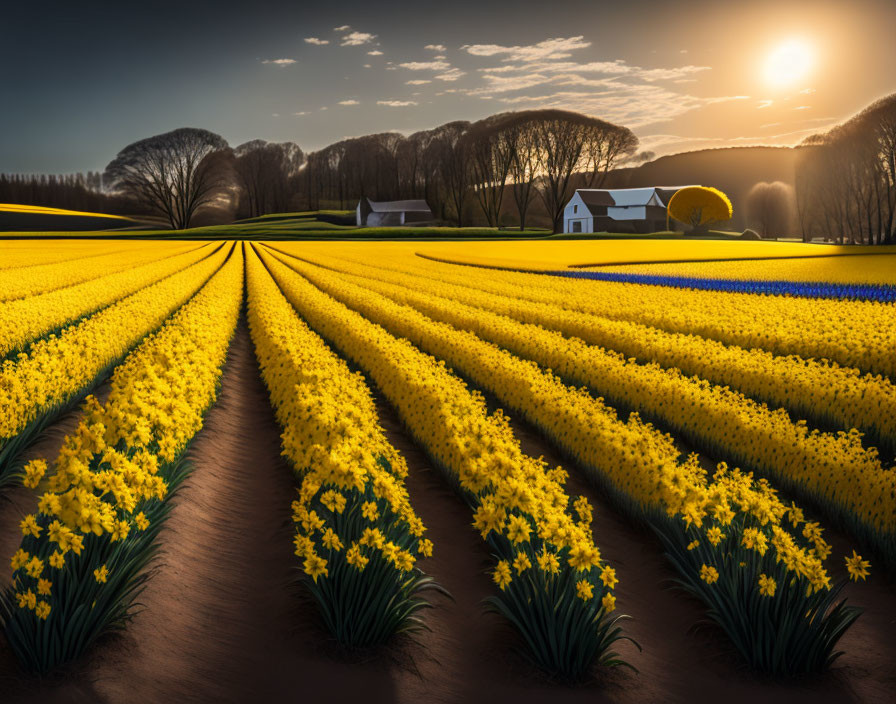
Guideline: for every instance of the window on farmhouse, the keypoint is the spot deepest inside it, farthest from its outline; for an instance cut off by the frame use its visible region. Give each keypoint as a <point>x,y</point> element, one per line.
<point>577,226</point>
<point>575,208</point>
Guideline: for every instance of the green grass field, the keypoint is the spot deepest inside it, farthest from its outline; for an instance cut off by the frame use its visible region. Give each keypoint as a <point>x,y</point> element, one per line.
<point>312,225</point>
<point>305,225</point>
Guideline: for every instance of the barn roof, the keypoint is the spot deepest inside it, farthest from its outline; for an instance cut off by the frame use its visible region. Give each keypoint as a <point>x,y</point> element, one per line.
<point>399,206</point>
<point>596,197</point>
<point>621,197</point>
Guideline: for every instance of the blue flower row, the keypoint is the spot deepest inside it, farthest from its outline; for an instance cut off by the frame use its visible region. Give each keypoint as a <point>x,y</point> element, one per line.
<point>884,293</point>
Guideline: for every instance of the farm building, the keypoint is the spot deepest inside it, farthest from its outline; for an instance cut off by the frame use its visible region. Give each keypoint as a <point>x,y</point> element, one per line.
<point>618,209</point>
<point>371,213</point>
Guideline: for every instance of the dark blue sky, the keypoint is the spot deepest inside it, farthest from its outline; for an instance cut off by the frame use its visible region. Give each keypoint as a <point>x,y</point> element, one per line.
<point>82,80</point>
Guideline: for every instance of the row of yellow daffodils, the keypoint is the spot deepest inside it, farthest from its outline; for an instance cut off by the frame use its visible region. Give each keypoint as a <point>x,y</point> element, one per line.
<point>35,385</point>
<point>824,391</point>
<point>83,553</point>
<point>27,318</point>
<point>352,508</point>
<point>642,468</point>
<point>19,254</point>
<point>852,333</point>
<point>521,507</point>
<point>833,469</point>
<point>34,280</point>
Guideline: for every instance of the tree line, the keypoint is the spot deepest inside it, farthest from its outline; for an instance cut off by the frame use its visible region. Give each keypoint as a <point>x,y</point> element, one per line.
<point>846,179</point>
<point>519,162</point>
<point>459,167</point>
<point>532,155</point>
<point>82,191</point>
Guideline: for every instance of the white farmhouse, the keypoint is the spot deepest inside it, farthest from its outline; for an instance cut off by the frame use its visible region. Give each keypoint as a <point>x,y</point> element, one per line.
<point>370,213</point>
<point>618,209</point>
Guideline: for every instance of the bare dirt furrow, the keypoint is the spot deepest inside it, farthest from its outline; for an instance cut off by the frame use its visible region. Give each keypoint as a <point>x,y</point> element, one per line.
<point>221,619</point>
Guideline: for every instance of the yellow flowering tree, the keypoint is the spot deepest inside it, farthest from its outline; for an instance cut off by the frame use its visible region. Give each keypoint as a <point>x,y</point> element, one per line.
<point>699,207</point>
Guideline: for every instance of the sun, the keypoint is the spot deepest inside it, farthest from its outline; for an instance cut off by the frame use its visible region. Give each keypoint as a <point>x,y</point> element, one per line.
<point>789,63</point>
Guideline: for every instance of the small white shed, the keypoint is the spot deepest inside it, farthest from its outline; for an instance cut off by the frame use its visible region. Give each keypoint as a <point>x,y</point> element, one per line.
<point>371,213</point>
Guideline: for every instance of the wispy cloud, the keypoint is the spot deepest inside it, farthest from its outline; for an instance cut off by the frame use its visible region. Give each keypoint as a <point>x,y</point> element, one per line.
<point>279,62</point>
<point>499,83</point>
<point>608,68</point>
<point>316,41</point>
<point>667,74</point>
<point>803,107</point>
<point>357,39</point>
<point>397,103</point>
<point>451,75</point>
<point>418,82</point>
<point>511,77</point>
<point>634,105</point>
<point>807,91</point>
<point>300,113</point>
<point>557,48</point>
<point>349,102</point>
<point>426,65</point>
<point>375,52</point>
<point>341,28</point>
<point>764,104</point>
<point>436,47</point>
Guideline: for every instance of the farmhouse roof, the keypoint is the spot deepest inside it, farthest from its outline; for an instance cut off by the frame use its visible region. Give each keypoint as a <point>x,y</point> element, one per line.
<point>596,197</point>
<point>399,206</point>
<point>627,197</point>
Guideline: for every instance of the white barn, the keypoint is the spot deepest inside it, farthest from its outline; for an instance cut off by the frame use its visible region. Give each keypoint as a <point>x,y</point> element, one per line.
<point>370,213</point>
<point>618,209</point>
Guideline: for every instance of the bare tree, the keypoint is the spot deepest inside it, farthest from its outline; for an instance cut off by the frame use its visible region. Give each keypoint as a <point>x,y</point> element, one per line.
<point>770,208</point>
<point>491,153</point>
<point>266,173</point>
<point>525,165</point>
<point>846,179</point>
<point>605,146</point>
<point>173,173</point>
<point>450,157</point>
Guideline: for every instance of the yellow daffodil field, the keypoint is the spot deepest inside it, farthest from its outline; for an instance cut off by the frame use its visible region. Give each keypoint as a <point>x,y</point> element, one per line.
<point>636,468</point>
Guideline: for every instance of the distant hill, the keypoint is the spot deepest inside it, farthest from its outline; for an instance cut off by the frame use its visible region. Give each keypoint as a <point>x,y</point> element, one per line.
<point>734,170</point>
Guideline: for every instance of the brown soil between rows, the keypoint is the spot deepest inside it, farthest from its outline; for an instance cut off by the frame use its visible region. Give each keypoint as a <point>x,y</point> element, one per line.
<point>223,619</point>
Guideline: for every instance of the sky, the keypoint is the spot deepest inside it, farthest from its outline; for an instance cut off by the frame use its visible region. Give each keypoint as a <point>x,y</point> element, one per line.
<point>81,80</point>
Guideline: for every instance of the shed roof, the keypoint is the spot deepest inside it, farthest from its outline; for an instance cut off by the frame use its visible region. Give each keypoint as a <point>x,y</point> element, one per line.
<point>399,206</point>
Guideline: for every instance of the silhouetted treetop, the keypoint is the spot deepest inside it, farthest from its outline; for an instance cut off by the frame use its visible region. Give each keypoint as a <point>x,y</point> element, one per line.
<point>173,173</point>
